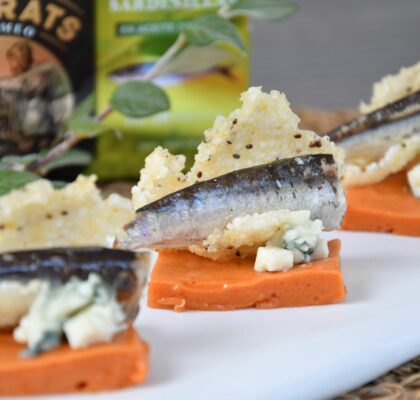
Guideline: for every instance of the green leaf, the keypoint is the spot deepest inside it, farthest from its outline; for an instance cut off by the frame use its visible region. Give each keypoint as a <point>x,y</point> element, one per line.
<point>205,58</point>
<point>82,120</point>
<point>72,158</point>
<point>212,28</point>
<point>18,163</point>
<point>10,180</point>
<point>85,126</point>
<point>59,184</point>
<point>139,99</point>
<point>87,107</point>
<point>273,10</point>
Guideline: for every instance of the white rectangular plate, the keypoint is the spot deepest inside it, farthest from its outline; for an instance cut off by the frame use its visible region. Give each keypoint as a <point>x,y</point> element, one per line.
<point>300,353</point>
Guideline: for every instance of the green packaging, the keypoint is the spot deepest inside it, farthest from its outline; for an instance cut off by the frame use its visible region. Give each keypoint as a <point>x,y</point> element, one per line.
<point>201,82</point>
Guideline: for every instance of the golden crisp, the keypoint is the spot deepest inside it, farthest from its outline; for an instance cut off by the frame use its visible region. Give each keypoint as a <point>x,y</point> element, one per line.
<point>39,216</point>
<point>242,236</point>
<point>393,87</point>
<point>395,159</point>
<point>398,156</point>
<point>262,130</point>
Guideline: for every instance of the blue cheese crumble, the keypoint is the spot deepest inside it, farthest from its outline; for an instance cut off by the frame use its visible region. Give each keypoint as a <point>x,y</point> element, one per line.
<point>296,242</point>
<point>86,312</point>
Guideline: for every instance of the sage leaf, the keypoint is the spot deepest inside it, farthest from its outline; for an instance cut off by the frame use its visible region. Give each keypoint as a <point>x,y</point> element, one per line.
<point>86,107</point>
<point>85,126</point>
<point>139,99</point>
<point>273,10</point>
<point>18,163</point>
<point>72,158</point>
<point>212,28</point>
<point>11,180</point>
<point>209,58</point>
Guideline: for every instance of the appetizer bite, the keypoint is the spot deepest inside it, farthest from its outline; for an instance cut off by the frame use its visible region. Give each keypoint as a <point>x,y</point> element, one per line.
<point>382,146</point>
<point>66,319</point>
<point>243,227</point>
<point>66,312</point>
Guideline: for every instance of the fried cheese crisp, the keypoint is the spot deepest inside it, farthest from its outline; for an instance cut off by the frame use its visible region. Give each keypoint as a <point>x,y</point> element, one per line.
<point>40,216</point>
<point>263,130</point>
<point>393,87</point>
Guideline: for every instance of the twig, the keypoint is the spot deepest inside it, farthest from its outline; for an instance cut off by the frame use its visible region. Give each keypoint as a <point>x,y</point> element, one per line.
<point>57,151</point>
<point>163,61</point>
<point>38,165</point>
<point>108,110</point>
<point>224,12</point>
<point>72,139</point>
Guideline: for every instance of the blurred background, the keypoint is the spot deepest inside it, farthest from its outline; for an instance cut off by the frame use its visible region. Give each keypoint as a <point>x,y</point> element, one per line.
<point>330,52</point>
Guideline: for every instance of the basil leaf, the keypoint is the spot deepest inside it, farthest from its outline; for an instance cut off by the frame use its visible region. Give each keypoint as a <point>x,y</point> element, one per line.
<point>10,180</point>
<point>273,10</point>
<point>139,99</point>
<point>212,28</point>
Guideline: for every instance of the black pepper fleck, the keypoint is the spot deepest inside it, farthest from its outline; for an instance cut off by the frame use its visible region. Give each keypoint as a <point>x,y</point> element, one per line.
<point>64,213</point>
<point>2,227</point>
<point>298,136</point>
<point>236,156</point>
<point>238,254</point>
<point>199,174</point>
<point>235,121</point>
<point>249,146</point>
<point>228,142</point>
<point>316,143</point>
<point>48,216</point>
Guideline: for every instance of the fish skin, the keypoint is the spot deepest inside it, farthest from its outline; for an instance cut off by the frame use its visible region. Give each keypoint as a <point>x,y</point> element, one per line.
<point>190,215</point>
<point>372,134</point>
<point>121,270</point>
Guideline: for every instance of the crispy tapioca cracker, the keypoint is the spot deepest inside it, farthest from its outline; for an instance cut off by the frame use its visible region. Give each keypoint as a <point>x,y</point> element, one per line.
<point>262,130</point>
<point>38,216</point>
<point>393,87</point>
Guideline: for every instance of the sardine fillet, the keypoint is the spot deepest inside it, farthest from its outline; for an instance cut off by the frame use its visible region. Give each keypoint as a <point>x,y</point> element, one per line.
<point>124,271</point>
<point>367,138</point>
<point>188,216</point>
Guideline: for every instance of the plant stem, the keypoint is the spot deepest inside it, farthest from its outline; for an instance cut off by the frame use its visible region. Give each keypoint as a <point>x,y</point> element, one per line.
<point>224,12</point>
<point>72,139</point>
<point>163,61</point>
<point>38,166</point>
<point>108,110</point>
<point>57,151</point>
